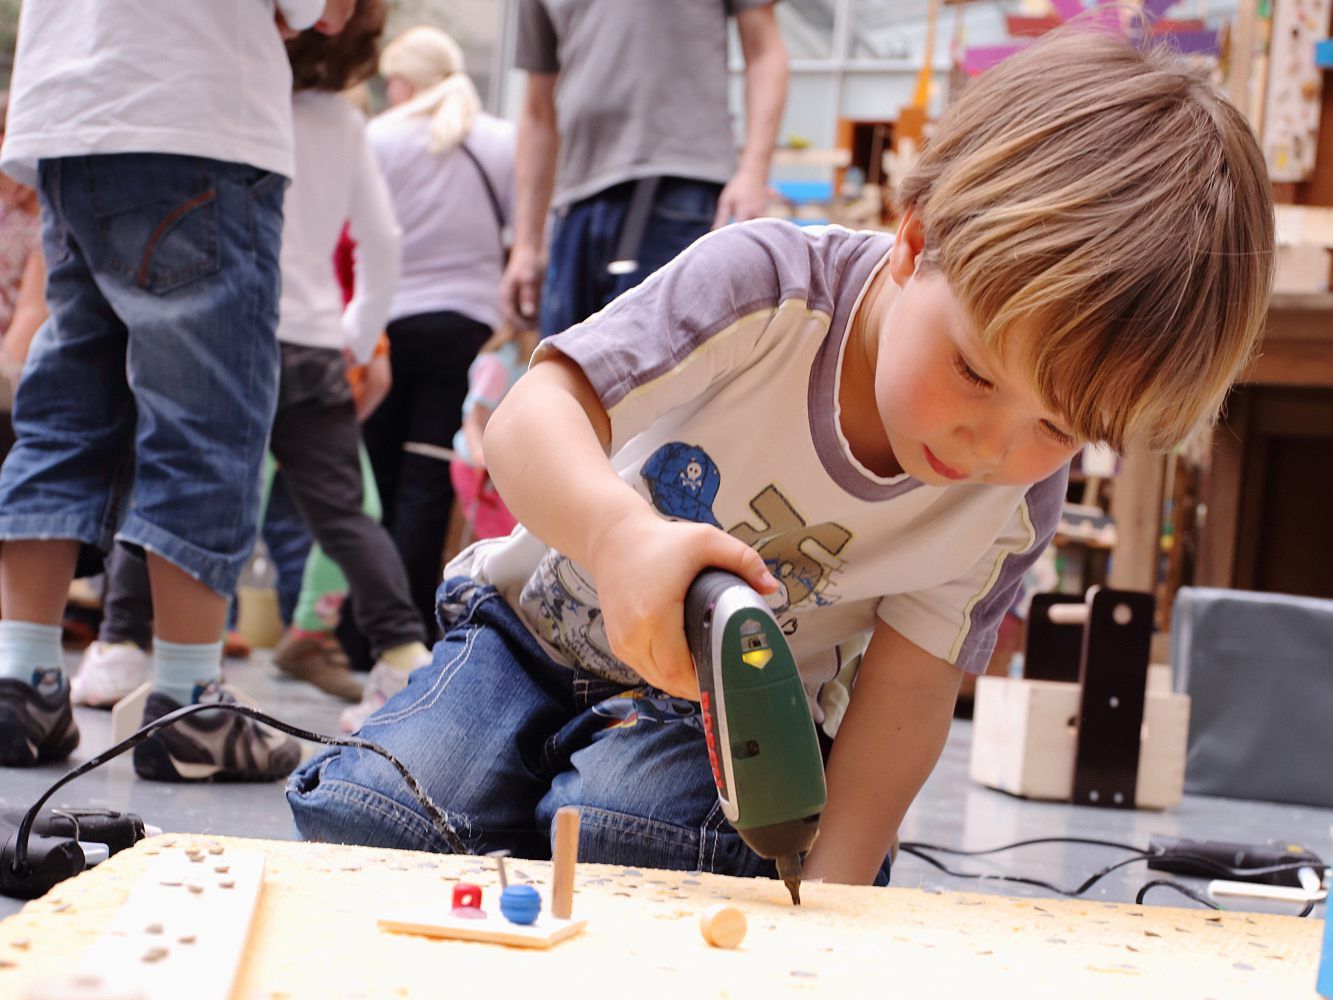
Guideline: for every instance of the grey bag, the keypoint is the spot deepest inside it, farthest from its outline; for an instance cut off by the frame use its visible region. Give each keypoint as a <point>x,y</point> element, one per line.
<point>1259,672</point>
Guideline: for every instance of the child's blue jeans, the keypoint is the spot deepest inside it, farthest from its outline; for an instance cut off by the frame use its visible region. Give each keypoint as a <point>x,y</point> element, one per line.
<point>152,385</point>
<point>501,737</point>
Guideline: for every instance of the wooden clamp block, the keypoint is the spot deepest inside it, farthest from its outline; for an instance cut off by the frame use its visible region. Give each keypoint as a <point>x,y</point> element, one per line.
<point>181,933</point>
<point>1116,738</point>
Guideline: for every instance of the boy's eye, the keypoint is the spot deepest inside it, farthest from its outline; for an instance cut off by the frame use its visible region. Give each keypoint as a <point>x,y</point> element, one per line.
<point>1061,437</point>
<point>965,370</point>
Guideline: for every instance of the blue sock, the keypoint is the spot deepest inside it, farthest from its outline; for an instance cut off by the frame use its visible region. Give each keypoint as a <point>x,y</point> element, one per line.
<point>26,648</point>
<point>182,666</point>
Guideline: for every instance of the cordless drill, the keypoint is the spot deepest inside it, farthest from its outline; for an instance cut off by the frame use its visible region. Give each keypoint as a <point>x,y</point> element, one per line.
<point>757,724</point>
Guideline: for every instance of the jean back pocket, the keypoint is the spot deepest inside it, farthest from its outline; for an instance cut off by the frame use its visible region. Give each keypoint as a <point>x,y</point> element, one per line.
<point>158,230</point>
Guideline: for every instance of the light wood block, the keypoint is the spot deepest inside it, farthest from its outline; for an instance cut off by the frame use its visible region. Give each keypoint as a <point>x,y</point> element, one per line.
<point>315,936</point>
<point>181,933</point>
<point>1024,739</point>
<point>545,932</point>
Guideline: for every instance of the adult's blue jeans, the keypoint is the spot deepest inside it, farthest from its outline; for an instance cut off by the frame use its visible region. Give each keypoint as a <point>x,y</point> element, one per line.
<point>152,385</point>
<point>501,736</point>
<point>587,235</point>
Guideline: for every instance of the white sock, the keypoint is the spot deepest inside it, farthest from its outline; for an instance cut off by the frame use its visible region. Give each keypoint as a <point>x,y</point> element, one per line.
<point>182,666</point>
<point>26,648</point>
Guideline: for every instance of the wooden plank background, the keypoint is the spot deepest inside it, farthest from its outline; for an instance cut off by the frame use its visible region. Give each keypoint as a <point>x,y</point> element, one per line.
<point>315,936</point>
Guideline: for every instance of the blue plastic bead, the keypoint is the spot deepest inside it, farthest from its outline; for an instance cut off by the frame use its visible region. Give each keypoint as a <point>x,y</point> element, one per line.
<point>520,904</point>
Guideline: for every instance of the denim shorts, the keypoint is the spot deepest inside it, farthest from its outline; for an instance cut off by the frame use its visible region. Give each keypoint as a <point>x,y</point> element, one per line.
<point>144,409</point>
<point>501,736</point>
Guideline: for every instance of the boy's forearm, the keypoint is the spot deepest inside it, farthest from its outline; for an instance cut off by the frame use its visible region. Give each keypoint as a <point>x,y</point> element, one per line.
<point>545,450</point>
<point>888,744</point>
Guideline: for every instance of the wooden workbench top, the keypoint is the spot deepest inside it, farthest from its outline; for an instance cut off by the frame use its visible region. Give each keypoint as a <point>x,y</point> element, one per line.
<point>315,936</point>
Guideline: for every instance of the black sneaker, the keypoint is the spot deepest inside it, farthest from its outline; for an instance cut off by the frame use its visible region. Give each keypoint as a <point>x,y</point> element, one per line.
<point>212,746</point>
<point>36,722</point>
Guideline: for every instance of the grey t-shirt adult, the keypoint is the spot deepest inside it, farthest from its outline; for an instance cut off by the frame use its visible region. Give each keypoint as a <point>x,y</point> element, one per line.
<point>642,89</point>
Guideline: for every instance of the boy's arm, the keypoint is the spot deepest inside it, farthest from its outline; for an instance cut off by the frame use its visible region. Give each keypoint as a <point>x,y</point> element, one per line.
<point>886,747</point>
<point>538,142</point>
<point>746,194</point>
<point>546,452</point>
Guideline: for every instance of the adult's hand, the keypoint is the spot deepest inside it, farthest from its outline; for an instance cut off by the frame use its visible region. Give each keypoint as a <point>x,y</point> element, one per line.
<point>521,288</point>
<point>745,197</point>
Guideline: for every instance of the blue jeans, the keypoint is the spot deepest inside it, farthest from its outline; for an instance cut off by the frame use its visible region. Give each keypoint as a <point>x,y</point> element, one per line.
<point>501,737</point>
<point>586,237</point>
<point>152,385</point>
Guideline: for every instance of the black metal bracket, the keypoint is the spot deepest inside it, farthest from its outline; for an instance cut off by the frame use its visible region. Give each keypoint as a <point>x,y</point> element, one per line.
<point>1115,641</point>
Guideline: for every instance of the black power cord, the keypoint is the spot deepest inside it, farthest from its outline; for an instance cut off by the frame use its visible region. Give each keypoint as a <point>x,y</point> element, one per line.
<point>18,868</point>
<point>919,849</point>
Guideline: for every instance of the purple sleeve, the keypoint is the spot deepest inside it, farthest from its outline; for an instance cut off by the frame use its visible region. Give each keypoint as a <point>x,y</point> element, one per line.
<point>1044,502</point>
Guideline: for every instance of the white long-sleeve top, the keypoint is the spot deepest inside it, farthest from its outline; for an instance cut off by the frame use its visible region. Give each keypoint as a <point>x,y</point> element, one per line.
<point>337,181</point>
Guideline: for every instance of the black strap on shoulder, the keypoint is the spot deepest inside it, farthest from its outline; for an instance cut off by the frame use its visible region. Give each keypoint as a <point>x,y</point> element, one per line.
<point>490,193</point>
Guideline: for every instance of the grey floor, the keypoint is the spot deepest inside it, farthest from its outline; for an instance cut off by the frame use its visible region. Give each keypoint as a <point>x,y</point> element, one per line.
<point>951,810</point>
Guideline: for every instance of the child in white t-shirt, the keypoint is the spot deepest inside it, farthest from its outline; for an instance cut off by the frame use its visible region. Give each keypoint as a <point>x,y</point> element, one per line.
<point>871,430</point>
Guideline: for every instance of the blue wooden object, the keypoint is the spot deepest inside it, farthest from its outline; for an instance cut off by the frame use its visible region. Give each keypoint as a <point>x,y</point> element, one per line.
<point>520,904</point>
<point>1325,983</point>
<point>1323,54</point>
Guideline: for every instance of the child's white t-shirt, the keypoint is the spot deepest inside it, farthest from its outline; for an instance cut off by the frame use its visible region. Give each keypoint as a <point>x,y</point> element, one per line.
<point>337,181</point>
<point>720,375</point>
<point>194,77</point>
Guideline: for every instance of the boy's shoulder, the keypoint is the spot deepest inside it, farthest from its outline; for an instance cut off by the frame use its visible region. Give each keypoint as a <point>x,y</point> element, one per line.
<point>821,264</point>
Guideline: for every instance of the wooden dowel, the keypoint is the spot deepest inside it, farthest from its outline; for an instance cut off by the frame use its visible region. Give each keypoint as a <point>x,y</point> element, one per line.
<point>565,855</point>
<point>1069,614</point>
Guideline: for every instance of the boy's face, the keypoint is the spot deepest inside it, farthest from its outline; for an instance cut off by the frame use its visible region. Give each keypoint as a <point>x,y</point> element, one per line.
<point>951,410</point>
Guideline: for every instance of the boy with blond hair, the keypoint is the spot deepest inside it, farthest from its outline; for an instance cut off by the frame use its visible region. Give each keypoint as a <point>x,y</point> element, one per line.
<point>881,427</point>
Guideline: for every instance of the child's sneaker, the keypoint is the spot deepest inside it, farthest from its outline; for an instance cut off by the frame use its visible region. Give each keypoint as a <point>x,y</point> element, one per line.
<point>36,721</point>
<point>107,673</point>
<point>212,746</point>
<point>382,683</point>
<point>318,660</point>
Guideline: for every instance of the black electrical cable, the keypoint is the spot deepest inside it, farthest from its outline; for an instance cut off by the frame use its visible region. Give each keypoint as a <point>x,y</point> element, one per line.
<point>1093,879</point>
<point>1022,843</point>
<point>917,849</point>
<point>437,816</point>
<point>1181,888</point>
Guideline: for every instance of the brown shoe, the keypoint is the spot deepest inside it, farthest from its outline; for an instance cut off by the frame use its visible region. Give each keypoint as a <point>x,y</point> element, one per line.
<point>235,646</point>
<point>317,661</point>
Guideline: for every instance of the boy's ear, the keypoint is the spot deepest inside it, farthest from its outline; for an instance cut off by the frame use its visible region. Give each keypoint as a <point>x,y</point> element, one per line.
<point>907,247</point>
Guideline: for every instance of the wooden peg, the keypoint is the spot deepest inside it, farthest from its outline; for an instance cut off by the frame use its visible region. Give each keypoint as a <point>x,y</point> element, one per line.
<point>722,926</point>
<point>565,855</point>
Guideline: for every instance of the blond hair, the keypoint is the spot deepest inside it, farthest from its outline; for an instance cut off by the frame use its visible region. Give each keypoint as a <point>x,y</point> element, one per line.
<point>1106,197</point>
<point>432,63</point>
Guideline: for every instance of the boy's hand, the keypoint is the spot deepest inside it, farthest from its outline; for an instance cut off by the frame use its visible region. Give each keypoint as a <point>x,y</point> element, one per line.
<point>644,567</point>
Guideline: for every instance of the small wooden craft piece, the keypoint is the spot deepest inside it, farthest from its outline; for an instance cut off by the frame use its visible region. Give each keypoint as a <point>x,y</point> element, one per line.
<point>489,925</point>
<point>722,926</point>
<point>543,933</point>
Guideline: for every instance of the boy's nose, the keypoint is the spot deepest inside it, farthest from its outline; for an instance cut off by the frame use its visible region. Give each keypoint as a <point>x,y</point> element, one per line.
<point>990,440</point>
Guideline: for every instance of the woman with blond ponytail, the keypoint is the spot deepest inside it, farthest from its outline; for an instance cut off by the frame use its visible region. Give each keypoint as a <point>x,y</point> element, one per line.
<point>450,171</point>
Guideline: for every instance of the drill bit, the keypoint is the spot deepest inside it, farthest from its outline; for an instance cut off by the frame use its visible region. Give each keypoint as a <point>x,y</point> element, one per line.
<point>789,870</point>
